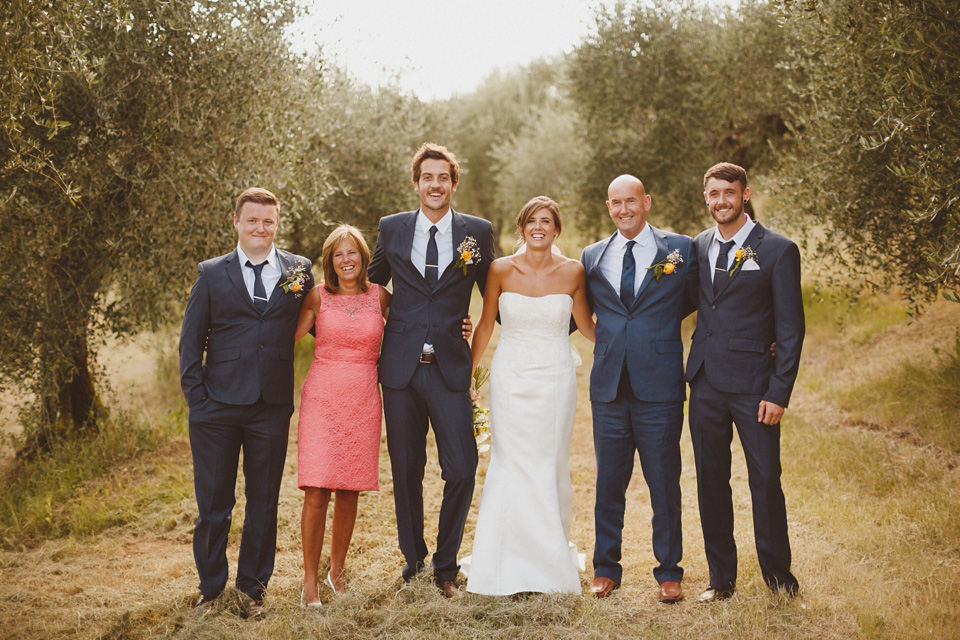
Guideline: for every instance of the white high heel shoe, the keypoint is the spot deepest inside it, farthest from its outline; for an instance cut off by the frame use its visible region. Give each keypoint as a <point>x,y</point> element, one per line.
<point>329,582</point>
<point>305,605</point>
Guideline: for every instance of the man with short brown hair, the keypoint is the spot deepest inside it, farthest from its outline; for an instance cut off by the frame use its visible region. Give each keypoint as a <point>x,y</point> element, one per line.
<point>236,371</point>
<point>434,256</point>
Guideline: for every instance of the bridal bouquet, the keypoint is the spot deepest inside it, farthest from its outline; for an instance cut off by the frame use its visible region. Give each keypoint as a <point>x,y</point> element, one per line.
<point>481,415</point>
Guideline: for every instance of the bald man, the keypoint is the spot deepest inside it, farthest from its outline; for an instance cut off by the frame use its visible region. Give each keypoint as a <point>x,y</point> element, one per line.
<point>641,283</point>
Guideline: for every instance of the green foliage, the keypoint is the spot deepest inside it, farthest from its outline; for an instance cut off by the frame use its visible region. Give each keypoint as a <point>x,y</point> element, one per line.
<point>544,157</point>
<point>878,131</point>
<point>352,159</point>
<point>506,113</point>
<point>129,128</point>
<point>84,486</point>
<point>666,89</point>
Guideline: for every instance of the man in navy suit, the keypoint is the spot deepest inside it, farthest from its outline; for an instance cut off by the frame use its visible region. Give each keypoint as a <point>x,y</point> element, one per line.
<point>435,256</point>
<point>750,298</point>
<point>641,283</point>
<point>236,371</point>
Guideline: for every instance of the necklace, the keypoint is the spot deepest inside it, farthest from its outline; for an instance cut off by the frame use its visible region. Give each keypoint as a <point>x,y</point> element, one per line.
<point>350,309</point>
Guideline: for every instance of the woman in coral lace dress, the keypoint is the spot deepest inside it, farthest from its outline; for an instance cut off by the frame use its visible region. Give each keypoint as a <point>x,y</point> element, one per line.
<point>338,435</point>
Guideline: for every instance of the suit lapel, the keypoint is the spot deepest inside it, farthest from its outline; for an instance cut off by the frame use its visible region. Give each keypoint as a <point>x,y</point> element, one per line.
<point>407,233</point>
<point>458,231</point>
<point>753,241</point>
<point>284,266</point>
<point>647,275</point>
<point>702,246</point>
<point>235,275</point>
<point>594,265</point>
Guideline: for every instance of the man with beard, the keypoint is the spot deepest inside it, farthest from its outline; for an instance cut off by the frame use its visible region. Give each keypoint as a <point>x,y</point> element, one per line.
<point>749,298</point>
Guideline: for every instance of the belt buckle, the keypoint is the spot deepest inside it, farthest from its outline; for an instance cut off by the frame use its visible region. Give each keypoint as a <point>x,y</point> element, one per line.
<point>427,358</point>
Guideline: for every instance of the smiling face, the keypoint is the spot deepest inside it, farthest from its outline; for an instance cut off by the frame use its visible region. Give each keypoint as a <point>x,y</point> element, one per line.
<point>540,229</point>
<point>628,204</point>
<point>347,262</point>
<point>725,201</point>
<point>435,187</point>
<point>256,226</point>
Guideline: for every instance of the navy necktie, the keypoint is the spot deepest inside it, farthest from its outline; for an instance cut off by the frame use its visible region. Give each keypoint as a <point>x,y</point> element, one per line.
<point>433,258</point>
<point>628,276</point>
<point>259,293</point>
<point>720,271</point>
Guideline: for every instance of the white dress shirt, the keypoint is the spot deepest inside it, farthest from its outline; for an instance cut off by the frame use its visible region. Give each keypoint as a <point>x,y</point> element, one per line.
<point>611,262</point>
<point>738,239</point>
<point>270,275</point>
<point>418,255</point>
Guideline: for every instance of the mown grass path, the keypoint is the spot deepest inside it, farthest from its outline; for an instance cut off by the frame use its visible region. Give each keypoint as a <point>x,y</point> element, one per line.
<point>874,522</point>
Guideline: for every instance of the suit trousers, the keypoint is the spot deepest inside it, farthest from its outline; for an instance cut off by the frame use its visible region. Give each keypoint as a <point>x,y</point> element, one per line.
<point>218,432</point>
<point>450,414</point>
<point>712,415</point>
<point>653,430</point>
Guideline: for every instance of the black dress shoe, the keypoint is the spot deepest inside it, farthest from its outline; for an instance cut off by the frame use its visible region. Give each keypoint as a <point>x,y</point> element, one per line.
<point>712,594</point>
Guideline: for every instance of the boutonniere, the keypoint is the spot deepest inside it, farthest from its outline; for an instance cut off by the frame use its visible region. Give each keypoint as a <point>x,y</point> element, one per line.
<point>666,266</point>
<point>466,254</point>
<point>296,279</point>
<point>743,254</point>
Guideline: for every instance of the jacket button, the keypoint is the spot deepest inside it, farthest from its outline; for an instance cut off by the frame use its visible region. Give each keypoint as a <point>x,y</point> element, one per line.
<point>713,306</point>
<point>709,333</point>
<point>261,347</point>
<point>629,317</point>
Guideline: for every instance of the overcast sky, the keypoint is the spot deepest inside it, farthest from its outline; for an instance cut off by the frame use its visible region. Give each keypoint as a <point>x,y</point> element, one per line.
<point>436,49</point>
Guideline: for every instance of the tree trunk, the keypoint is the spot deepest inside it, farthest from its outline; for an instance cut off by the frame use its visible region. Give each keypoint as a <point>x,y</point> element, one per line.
<point>72,407</point>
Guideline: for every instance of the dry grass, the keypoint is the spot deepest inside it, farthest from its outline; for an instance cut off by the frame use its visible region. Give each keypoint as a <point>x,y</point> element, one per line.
<point>875,526</point>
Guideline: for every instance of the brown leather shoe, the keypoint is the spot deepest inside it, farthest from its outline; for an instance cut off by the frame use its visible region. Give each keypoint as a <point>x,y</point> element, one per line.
<point>253,610</point>
<point>603,587</point>
<point>449,588</point>
<point>200,605</point>
<point>713,595</point>
<point>670,592</point>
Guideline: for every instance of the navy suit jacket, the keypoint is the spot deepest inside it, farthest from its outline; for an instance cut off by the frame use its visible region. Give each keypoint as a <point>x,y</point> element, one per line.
<point>647,335</point>
<point>752,310</point>
<point>416,310</point>
<point>229,351</point>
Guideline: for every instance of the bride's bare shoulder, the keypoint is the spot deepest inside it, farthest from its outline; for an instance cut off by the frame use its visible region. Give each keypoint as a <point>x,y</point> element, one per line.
<point>571,265</point>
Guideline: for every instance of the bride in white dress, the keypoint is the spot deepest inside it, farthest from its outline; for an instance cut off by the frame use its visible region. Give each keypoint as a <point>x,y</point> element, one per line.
<point>522,539</point>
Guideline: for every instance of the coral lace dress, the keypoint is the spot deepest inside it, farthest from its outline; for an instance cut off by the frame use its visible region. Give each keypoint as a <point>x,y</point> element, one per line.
<point>338,435</point>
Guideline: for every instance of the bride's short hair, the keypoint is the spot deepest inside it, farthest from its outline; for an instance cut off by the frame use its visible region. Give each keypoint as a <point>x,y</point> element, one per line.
<point>534,205</point>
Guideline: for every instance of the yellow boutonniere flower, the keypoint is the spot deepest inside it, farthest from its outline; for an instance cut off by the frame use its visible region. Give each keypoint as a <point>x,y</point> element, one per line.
<point>467,250</point>
<point>742,255</point>
<point>666,266</point>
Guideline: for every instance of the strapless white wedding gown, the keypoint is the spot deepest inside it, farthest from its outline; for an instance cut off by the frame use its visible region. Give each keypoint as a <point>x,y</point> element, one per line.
<point>522,540</point>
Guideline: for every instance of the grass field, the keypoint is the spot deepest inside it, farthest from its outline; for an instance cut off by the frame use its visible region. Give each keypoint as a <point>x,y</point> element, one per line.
<point>873,506</point>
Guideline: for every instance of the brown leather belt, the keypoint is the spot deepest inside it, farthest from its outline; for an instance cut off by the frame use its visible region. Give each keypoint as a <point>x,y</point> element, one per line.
<point>428,358</point>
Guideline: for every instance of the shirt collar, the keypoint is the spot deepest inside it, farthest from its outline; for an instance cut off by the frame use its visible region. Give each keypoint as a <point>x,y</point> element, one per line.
<point>643,238</point>
<point>271,257</point>
<point>740,236</point>
<point>443,224</point>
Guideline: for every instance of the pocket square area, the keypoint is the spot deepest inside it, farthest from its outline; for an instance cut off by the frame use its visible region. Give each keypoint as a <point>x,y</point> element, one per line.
<point>750,265</point>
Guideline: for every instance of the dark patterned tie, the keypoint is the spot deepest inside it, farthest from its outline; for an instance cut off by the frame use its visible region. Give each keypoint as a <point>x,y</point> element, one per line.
<point>432,257</point>
<point>720,271</point>
<point>259,293</point>
<point>628,276</point>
